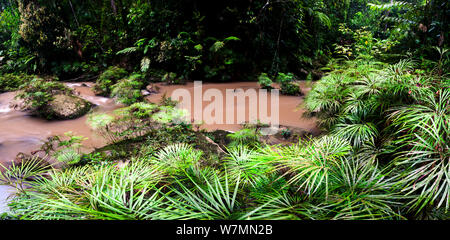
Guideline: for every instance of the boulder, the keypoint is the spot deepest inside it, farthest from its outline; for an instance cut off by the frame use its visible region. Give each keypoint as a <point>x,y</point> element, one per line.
<point>145,93</point>
<point>67,107</point>
<point>152,88</point>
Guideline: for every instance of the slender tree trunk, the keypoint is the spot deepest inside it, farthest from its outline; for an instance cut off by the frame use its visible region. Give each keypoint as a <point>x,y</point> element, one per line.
<point>73,12</point>
<point>114,8</point>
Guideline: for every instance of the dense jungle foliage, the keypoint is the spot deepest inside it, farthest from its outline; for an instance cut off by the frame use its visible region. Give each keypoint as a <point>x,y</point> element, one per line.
<point>211,40</point>
<point>380,91</point>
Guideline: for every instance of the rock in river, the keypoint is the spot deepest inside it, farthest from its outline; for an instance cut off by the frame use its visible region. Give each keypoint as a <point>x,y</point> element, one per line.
<point>67,107</point>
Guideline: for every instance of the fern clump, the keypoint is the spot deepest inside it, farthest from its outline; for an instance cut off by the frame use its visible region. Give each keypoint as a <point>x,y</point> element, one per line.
<point>128,90</point>
<point>176,158</point>
<point>264,81</point>
<point>245,137</point>
<point>287,84</point>
<point>12,82</point>
<point>107,79</point>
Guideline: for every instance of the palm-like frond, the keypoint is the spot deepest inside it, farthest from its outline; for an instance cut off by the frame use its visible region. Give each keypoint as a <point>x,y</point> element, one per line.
<point>308,167</point>
<point>327,95</point>
<point>104,192</point>
<point>370,85</point>
<point>356,131</point>
<point>17,175</point>
<point>68,155</point>
<point>357,105</point>
<point>243,163</point>
<point>125,194</point>
<point>429,166</point>
<point>437,109</point>
<point>218,200</point>
<point>362,192</point>
<point>281,206</point>
<point>357,191</point>
<point>399,69</point>
<point>247,137</point>
<point>177,157</point>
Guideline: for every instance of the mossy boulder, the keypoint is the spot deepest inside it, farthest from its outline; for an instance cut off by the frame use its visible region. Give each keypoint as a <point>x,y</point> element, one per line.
<point>67,107</point>
<point>50,99</point>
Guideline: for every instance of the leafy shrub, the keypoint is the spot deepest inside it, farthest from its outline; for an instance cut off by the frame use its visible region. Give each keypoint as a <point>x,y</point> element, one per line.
<point>177,158</point>
<point>135,120</point>
<point>286,133</point>
<point>64,149</point>
<point>264,81</point>
<point>171,115</point>
<point>126,123</point>
<point>424,127</point>
<point>290,88</point>
<point>68,156</point>
<point>242,163</point>
<point>11,81</point>
<point>108,78</point>
<point>68,69</point>
<point>128,90</point>
<point>167,101</point>
<point>392,113</point>
<point>171,78</point>
<point>287,86</point>
<point>99,120</point>
<point>247,137</point>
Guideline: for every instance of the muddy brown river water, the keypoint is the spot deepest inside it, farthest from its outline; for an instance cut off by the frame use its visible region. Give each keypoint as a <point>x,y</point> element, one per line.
<point>20,132</point>
<point>290,112</point>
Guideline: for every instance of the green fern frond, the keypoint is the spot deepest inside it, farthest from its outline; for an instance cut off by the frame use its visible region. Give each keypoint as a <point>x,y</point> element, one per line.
<point>145,64</point>
<point>127,50</point>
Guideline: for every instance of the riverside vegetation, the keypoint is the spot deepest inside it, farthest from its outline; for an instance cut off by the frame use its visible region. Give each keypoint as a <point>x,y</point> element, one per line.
<point>380,92</point>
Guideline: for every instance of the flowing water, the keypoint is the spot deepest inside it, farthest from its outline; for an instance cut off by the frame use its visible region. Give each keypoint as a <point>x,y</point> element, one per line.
<point>21,132</point>
<point>5,193</point>
<point>290,112</point>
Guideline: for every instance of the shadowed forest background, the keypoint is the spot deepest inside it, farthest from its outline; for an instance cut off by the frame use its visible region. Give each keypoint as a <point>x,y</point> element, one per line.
<point>212,40</point>
<point>370,78</point>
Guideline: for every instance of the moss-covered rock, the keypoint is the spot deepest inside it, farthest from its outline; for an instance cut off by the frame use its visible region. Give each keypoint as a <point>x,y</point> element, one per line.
<point>50,99</point>
<point>67,107</point>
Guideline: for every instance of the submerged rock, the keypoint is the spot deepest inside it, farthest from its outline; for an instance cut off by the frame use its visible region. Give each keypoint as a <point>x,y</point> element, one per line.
<point>15,103</point>
<point>67,107</point>
<point>152,89</point>
<point>145,93</point>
